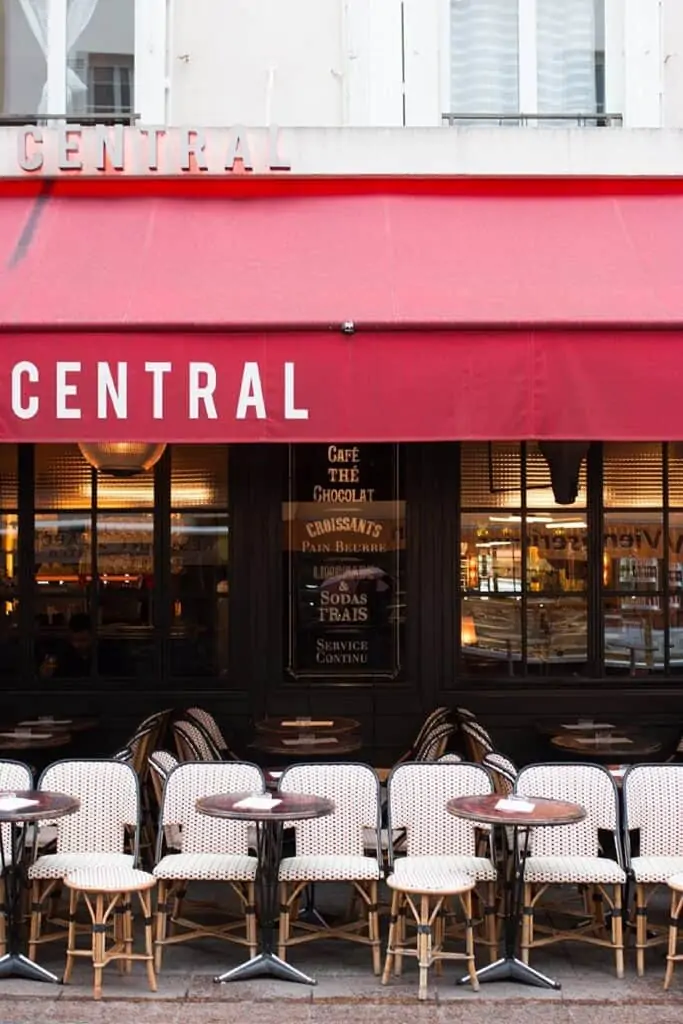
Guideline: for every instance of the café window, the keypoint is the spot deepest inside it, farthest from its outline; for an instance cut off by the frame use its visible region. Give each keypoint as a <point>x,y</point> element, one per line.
<point>130,571</point>
<point>94,568</point>
<point>199,560</point>
<point>643,559</point>
<point>523,566</point>
<point>344,548</point>
<point>9,561</point>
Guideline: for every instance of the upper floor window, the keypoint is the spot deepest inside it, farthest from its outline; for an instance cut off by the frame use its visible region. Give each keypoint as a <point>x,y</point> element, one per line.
<point>539,58</point>
<point>78,58</point>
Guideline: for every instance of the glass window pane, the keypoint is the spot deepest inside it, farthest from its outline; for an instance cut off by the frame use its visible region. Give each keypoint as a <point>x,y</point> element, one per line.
<point>23,70</point>
<point>101,55</point>
<point>199,475</point>
<point>634,634</point>
<point>8,476</point>
<point>633,552</point>
<point>490,475</point>
<point>484,73</point>
<point>199,591</point>
<point>125,492</point>
<point>63,477</point>
<point>9,552</point>
<point>676,473</point>
<point>344,544</point>
<point>567,41</point>
<point>63,555</point>
<point>491,579</point>
<point>125,565</point>
<point>632,475</point>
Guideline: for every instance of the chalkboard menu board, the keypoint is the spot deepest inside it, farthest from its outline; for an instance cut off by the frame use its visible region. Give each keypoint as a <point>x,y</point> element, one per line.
<point>344,542</point>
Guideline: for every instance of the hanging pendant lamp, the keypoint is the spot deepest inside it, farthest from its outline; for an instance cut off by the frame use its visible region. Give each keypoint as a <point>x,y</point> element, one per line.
<point>122,458</point>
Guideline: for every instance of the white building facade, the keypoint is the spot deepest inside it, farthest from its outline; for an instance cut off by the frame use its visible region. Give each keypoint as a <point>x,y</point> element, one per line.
<point>345,63</point>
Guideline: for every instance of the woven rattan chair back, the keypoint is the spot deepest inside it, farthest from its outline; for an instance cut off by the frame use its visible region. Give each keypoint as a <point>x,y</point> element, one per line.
<point>15,777</point>
<point>161,764</point>
<point>417,798</point>
<point>477,741</point>
<point>210,726</point>
<point>192,780</point>
<point>109,795</point>
<point>434,718</point>
<point>653,804</point>
<point>192,743</point>
<point>589,785</point>
<point>435,743</point>
<point>355,791</point>
<point>502,771</point>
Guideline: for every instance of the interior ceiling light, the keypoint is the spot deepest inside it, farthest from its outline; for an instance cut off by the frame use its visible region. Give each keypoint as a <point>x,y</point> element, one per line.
<point>122,458</point>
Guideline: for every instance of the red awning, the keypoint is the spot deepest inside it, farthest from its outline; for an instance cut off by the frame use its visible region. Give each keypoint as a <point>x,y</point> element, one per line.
<point>237,303</point>
<point>381,386</point>
<point>506,258</point>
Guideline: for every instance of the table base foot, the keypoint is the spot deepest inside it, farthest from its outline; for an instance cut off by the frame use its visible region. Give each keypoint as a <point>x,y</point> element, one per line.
<point>266,965</point>
<point>512,969</point>
<point>16,965</point>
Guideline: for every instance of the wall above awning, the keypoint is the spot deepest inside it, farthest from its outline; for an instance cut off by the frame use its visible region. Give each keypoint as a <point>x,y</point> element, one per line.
<point>504,254</point>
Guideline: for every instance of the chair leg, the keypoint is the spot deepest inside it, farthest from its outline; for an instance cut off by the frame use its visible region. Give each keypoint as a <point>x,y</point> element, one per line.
<point>393,932</point>
<point>284,925</point>
<point>641,929</point>
<point>36,918</point>
<point>98,946</point>
<point>146,905</point>
<point>618,930</point>
<point>162,916</point>
<point>401,936</point>
<point>3,919</point>
<point>466,900</point>
<point>373,929</point>
<point>676,907</point>
<point>424,934</point>
<point>128,930</point>
<point>71,939</point>
<point>527,922</point>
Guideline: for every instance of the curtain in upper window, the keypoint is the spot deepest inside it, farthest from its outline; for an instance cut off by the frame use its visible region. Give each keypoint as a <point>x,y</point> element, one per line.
<point>525,56</point>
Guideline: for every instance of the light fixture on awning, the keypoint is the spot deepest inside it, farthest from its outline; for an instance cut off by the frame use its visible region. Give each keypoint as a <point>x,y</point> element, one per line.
<point>122,458</point>
<point>564,460</point>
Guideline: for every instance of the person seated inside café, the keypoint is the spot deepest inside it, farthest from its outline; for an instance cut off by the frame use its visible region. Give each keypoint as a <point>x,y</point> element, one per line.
<point>74,658</point>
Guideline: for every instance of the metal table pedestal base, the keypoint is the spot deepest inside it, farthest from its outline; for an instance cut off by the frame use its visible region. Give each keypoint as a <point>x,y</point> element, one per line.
<point>16,965</point>
<point>266,965</point>
<point>512,969</point>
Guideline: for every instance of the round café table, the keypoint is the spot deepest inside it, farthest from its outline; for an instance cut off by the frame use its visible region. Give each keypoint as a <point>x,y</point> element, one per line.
<point>608,747</point>
<point>33,739</point>
<point>293,725</point>
<point>81,723</point>
<point>521,814</point>
<point>269,812</point>
<point>305,747</point>
<point>19,810</point>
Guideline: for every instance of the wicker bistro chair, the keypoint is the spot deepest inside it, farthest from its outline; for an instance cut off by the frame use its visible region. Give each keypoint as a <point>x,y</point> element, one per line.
<point>436,841</point>
<point>435,742</point>
<point>13,776</point>
<point>653,805</point>
<point>568,855</point>
<point>212,850</point>
<point>161,764</point>
<point>502,771</point>
<point>193,744</point>
<point>95,836</point>
<point>332,849</point>
<point>209,726</point>
<point>478,742</point>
